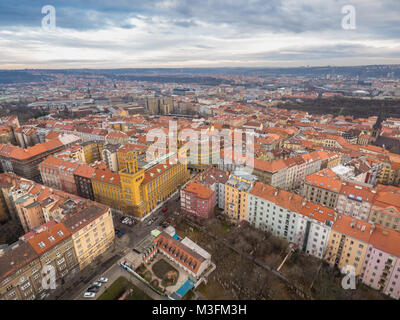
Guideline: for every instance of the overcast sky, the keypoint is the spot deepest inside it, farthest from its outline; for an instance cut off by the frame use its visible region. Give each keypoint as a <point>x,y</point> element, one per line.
<point>197,33</point>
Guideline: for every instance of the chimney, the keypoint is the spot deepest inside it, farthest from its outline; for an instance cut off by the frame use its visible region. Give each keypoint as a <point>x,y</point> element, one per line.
<point>372,228</point>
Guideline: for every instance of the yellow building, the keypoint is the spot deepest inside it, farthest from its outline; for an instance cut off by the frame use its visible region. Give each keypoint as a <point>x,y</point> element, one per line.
<point>348,243</point>
<point>143,188</point>
<point>92,151</point>
<point>236,191</point>
<point>107,188</point>
<point>204,156</point>
<point>120,126</point>
<point>92,232</point>
<point>138,190</point>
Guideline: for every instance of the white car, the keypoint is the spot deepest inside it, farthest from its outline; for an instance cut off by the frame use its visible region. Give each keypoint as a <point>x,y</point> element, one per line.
<point>125,220</point>
<point>97,284</point>
<point>103,280</point>
<point>89,295</point>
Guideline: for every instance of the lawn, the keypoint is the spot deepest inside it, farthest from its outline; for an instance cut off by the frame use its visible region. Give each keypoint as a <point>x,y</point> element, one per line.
<point>119,287</point>
<point>213,291</point>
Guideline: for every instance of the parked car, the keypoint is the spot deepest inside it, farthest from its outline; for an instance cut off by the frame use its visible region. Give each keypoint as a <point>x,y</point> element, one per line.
<point>89,294</point>
<point>125,220</point>
<point>94,289</point>
<point>165,224</point>
<point>97,284</point>
<point>169,220</point>
<point>121,233</point>
<point>103,280</point>
<point>165,209</point>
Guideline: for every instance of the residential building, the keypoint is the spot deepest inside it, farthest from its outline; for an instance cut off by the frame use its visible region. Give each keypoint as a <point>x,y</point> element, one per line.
<point>92,232</point>
<point>348,243</point>
<point>197,200</point>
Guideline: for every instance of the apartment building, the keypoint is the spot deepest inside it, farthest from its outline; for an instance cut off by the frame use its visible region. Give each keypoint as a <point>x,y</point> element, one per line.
<point>107,188</point>
<point>197,200</point>
<point>20,272</point>
<point>24,162</point>
<point>289,216</point>
<point>273,210</point>
<point>381,269</point>
<point>215,179</point>
<point>52,242</point>
<point>385,209</point>
<point>355,200</point>
<point>109,156</point>
<point>92,232</point>
<point>348,243</point>
<point>29,211</point>
<point>236,192</point>
<point>58,173</point>
<point>83,181</point>
<point>323,187</point>
<point>92,150</point>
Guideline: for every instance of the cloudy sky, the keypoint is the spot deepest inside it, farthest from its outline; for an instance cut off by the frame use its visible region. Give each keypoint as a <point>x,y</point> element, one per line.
<point>198,33</point>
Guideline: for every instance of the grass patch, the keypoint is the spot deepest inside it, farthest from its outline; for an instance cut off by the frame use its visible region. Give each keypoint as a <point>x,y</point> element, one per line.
<point>163,270</point>
<point>119,287</point>
<point>213,291</point>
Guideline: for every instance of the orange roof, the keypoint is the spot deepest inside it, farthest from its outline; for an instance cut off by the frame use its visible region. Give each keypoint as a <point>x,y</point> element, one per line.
<point>85,171</point>
<point>358,191</point>
<point>157,170</point>
<point>360,230</point>
<point>50,235</point>
<point>387,240</point>
<point>318,212</point>
<point>106,175</point>
<point>201,191</point>
<point>282,198</point>
<point>325,179</point>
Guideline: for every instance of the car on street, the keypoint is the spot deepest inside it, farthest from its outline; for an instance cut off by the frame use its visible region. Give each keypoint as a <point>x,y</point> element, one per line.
<point>94,289</point>
<point>165,209</point>
<point>97,284</point>
<point>168,220</point>
<point>103,280</point>
<point>121,233</point>
<point>89,295</point>
<point>165,224</point>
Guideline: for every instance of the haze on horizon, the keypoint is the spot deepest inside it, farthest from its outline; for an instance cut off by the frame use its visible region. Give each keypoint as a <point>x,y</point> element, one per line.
<point>172,33</point>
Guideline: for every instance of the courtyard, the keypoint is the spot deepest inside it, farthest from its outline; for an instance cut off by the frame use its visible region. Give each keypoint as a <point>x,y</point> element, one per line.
<point>162,274</point>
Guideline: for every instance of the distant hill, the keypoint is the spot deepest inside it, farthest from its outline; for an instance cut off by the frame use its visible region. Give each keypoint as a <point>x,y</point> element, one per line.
<point>20,76</point>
